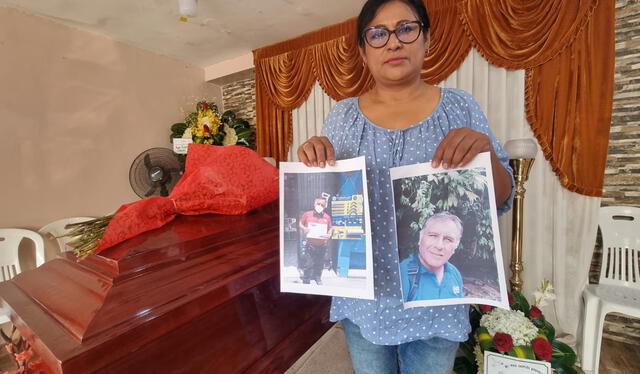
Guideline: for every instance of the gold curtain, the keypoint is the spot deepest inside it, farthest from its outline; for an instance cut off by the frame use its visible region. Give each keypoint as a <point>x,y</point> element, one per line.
<point>566,47</point>
<point>569,101</point>
<point>449,45</point>
<point>339,69</point>
<point>285,73</point>
<point>518,34</point>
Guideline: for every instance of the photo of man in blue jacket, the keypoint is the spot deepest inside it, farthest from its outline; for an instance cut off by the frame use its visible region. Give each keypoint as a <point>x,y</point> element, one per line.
<point>427,273</point>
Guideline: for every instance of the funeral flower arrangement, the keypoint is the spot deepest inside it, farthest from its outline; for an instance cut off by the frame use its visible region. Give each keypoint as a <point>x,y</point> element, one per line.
<point>207,126</point>
<point>21,353</point>
<point>521,332</point>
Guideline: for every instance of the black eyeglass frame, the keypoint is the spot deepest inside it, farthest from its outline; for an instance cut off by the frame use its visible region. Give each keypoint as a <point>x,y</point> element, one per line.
<point>364,33</point>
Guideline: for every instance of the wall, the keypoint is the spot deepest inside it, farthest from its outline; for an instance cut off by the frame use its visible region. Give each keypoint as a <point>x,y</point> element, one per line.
<point>240,96</point>
<point>622,174</point>
<point>76,108</point>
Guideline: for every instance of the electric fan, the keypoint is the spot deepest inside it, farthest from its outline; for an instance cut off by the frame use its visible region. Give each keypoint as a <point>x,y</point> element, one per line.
<point>154,172</point>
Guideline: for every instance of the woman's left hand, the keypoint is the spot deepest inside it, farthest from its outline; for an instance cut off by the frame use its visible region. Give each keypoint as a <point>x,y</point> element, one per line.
<point>459,147</point>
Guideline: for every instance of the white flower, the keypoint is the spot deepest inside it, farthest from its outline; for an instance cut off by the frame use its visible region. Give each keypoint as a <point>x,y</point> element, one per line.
<point>544,294</point>
<point>230,137</point>
<point>512,322</point>
<point>205,121</point>
<point>187,133</point>
<point>479,358</point>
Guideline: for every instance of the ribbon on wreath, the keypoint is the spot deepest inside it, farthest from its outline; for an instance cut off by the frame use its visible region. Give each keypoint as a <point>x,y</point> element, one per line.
<point>217,179</point>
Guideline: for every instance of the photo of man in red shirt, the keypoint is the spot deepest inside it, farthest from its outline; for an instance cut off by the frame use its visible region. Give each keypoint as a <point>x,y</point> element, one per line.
<point>316,227</point>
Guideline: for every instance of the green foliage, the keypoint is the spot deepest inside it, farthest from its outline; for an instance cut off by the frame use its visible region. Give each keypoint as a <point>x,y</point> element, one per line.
<point>210,105</point>
<point>545,328</point>
<point>244,130</point>
<point>460,192</point>
<point>520,303</point>
<point>562,355</point>
<point>191,118</point>
<point>523,351</point>
<point>177,129</point>
<point>227,116</point>
<point>464,365</point>
<point>485,339</point>
<point>467,349</point>
<point>565,370</point>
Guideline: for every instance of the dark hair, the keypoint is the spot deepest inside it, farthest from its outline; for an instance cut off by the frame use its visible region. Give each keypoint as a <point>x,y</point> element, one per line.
<point>370,8</point>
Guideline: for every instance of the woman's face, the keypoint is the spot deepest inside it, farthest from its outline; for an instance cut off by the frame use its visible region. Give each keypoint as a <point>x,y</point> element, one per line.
<point>396,62</point>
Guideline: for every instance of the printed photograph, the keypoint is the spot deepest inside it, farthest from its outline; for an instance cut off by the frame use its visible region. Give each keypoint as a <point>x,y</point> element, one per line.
<point>447,230</point>
<point>325,241</point>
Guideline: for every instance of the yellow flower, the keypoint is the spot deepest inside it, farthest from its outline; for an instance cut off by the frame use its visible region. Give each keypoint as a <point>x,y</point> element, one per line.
<point>230,137</point>
<point>198,130</point>
<point>209,118</point>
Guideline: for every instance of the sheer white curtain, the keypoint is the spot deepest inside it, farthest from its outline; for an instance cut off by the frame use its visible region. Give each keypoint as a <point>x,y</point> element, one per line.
<point>309,117</point>
<point>559,225</point>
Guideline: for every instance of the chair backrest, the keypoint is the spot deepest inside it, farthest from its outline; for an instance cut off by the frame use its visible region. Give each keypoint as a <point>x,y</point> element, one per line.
<point>620,229</point>
<point>9,244</point>
<point>56,229</point>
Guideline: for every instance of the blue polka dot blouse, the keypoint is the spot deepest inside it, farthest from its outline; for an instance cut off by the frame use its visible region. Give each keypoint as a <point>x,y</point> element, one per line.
<point>384,320</point>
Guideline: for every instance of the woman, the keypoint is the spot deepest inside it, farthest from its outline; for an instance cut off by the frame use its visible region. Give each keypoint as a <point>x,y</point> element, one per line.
<point>402,121</point>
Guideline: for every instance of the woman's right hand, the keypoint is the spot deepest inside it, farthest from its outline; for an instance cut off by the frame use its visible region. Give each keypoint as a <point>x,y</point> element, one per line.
<point>317,151</point>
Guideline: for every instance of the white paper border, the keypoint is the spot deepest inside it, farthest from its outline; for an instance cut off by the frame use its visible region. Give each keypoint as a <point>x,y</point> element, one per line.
<point>526,366</point>
<point>482,160</point>
<point>352,164</point>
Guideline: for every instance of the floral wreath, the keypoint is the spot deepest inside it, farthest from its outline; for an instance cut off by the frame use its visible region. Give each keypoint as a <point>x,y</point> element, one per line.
<point>522,332</point>
<point>207,126</point>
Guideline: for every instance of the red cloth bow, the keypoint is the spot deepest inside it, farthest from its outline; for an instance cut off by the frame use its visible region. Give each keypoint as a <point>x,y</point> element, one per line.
<point>217,179</point>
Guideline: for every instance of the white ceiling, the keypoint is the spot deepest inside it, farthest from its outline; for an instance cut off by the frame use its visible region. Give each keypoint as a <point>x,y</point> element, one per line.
<point>222,29</point>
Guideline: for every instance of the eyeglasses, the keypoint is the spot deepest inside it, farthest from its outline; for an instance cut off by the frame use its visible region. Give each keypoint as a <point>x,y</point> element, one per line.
<point>378,36</point>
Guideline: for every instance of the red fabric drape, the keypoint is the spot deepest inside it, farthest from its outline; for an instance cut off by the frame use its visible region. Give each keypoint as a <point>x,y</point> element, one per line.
<point>208,185</point>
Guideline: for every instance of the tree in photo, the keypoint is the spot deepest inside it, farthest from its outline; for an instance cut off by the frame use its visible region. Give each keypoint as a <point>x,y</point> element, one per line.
<point>460,192</point>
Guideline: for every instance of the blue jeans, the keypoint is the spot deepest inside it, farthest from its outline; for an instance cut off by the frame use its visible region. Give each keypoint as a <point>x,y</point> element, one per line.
<point>432,356</point>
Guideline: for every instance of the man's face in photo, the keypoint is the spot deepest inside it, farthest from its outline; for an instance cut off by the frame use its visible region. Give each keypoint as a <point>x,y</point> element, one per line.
<point>319,205</point>
<point>438,242</point>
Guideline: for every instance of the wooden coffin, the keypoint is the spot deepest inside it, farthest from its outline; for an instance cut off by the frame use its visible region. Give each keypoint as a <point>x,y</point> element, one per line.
<point>199,295</point>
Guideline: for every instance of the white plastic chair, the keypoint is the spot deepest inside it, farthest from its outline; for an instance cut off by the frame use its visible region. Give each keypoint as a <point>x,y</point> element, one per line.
<point>9,263</point>
<point>619,288</point>
<point>56,229</point>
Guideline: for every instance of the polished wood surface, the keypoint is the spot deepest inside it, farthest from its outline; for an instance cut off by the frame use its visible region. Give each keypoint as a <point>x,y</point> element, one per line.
<point>200,294</point>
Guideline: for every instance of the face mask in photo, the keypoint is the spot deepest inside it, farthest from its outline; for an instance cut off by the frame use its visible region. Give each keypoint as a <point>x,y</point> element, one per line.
<point>319,208</point>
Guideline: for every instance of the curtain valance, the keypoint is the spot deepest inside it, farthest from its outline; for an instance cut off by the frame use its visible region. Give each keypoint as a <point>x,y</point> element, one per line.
<point>566,47</point>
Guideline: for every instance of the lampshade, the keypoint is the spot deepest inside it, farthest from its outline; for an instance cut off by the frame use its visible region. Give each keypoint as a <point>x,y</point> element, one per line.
<point>188,8</point>
<point>521,148</point>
